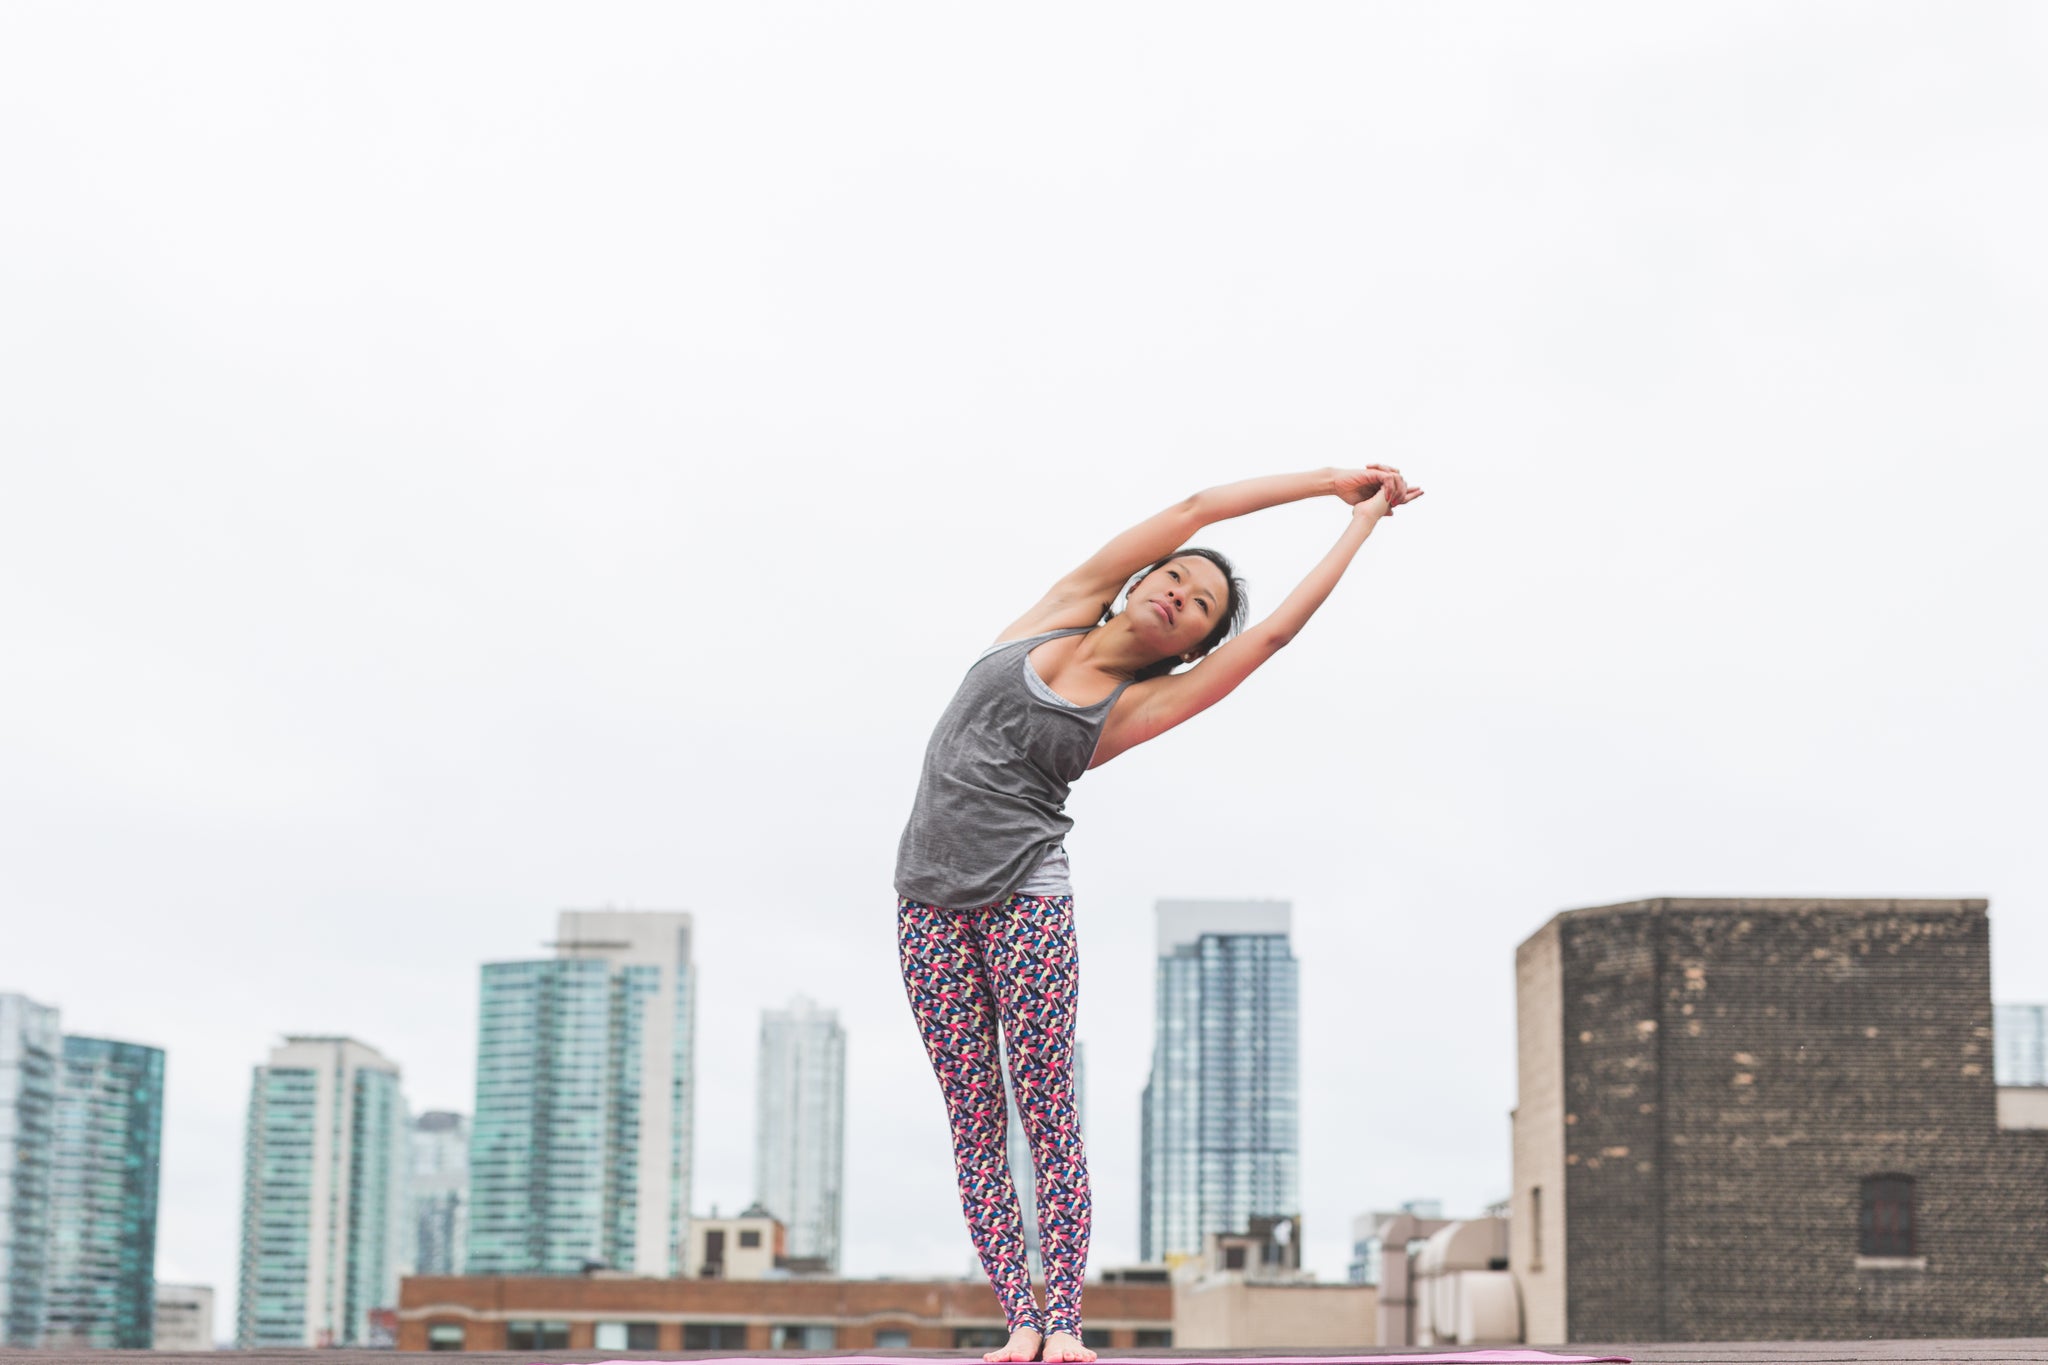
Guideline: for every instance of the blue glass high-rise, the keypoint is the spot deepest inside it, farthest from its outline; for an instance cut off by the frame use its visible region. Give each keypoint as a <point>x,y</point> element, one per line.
<point>103,1198</point>
<point>1220,1125</point>
<point>580,1145</point>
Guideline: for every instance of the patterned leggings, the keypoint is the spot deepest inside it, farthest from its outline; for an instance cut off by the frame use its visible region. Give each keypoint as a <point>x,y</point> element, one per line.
<point>961,969</point>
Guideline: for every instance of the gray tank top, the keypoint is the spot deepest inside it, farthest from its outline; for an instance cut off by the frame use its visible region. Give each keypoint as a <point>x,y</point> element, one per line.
<point>991,799</point>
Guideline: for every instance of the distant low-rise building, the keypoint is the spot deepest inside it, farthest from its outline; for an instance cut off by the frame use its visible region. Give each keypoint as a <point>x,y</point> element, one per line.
<point>748,1246</point>
<point>184,1317</point>
<point>608,1312</point>
<point>1247,1291</point>
<point>1770,1119</point>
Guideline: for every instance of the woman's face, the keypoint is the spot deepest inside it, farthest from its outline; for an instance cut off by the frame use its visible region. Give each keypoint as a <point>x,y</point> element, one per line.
<point>1176,605</point>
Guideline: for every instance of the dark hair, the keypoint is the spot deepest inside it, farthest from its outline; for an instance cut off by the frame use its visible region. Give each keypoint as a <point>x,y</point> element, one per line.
<point>1235,608</point>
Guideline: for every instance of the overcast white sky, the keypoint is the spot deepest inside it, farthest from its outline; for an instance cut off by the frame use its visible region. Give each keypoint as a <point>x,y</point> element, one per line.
<point>467,460</point>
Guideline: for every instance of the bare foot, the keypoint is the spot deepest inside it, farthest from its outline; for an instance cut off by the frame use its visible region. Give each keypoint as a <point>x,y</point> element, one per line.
<point>1023,1346</point>
<point>1066,1346</point>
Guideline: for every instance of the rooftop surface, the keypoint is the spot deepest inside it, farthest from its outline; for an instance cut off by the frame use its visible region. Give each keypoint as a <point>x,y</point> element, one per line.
<point>1987,1350</point>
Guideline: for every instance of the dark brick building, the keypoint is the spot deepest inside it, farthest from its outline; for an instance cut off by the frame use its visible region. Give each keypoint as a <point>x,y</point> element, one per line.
<point>1759,1119</point>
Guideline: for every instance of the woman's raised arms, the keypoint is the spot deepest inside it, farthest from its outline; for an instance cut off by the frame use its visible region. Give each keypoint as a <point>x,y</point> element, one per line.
<point>1082,596</point>
<point>1149,709</point>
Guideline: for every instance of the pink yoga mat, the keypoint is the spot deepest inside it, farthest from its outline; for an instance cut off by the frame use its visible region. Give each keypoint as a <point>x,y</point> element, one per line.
<point>1412,1358</point>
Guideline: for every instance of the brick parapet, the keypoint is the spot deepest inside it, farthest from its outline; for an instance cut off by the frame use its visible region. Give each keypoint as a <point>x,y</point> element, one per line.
<point>931,1312</point>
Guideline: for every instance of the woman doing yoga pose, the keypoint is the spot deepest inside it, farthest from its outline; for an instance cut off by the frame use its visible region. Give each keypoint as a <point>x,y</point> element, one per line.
<point>985,917</point>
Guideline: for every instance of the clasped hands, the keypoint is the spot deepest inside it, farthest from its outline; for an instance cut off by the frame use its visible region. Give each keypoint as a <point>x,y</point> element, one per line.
<point>1358,486</point>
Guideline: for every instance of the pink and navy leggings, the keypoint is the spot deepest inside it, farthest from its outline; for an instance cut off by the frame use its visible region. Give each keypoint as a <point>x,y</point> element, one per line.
<point>965,969</point>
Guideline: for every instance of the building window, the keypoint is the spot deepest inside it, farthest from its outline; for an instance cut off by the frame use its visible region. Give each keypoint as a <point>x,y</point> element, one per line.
<point>979,1338</point>
<point>627,1336</point>
<point>536,1336</point>
<point>750,1239</point>
<point>1535,1227</point>
<point>1233,1258</point>
<point>1887,1224</point>
<point>714,1336</point>
<point>444,1336</point>
<point>803,1337</point>
<point>890,1338</point>
<point>1152,1336</point>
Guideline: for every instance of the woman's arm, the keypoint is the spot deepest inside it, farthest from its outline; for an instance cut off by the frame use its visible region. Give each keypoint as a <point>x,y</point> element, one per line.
<point>1151,708</point>
<point>1079,598</point>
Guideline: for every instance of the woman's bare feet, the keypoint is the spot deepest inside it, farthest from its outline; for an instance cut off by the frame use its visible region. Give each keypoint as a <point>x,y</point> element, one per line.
<point>1023,1346</point>
<point>1066,1346</point>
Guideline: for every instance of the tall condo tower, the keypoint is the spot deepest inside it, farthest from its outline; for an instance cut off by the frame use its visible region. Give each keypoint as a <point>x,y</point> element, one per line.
<point>1220,1121</point>
<point>439,1193</point>
<point>2020,1033</point>
<point>323,1195</point>
<point>110,1120</point>
<point>800,1126</point>
<point>30,1048</point>
<point>580,1151</point>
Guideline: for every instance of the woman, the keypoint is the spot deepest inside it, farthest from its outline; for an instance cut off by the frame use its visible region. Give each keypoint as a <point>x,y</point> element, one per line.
<point>985,917</point>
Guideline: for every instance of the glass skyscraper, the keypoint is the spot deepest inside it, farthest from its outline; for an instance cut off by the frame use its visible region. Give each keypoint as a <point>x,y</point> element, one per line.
<point>323,1195</point>
<point>439,1190</point>
<point>800,1126</point>
<point>30,1049</point>
<point>109,1139</point>
<point>2020,1034</point>
<point>580,1150</point>
<point>1220,1119</point>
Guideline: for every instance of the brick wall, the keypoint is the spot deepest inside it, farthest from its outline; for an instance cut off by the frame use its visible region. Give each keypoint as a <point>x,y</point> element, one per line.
<point>1733,1069</point>
<point>930,1311</point>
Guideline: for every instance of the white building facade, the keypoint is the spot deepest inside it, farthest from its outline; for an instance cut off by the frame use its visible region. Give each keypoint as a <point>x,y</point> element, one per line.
<point>184,1317</point>
<point>323,1195</point>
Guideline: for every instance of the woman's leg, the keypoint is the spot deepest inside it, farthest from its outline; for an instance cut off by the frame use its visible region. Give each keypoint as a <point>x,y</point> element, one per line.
<point>947,979</point>
<point>1028,942</point>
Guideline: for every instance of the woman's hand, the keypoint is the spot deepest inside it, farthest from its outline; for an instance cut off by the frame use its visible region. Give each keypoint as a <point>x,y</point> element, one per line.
<point>1359,486</point>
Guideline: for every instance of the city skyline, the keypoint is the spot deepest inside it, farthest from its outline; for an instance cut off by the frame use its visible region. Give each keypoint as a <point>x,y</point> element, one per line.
<point>458,521</point>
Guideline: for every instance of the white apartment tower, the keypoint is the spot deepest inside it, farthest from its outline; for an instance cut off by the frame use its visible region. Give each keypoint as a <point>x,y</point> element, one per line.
<point>800,1126</point>
<point>323,1195</point>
